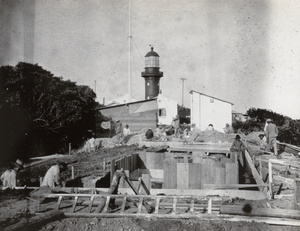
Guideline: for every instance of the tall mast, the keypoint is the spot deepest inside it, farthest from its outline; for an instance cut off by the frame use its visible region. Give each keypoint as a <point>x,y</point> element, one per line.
<point>129,54</point>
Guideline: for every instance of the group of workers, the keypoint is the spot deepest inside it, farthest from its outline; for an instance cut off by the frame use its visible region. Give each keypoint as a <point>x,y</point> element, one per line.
<point>52,177</point>
<point>121,133</point>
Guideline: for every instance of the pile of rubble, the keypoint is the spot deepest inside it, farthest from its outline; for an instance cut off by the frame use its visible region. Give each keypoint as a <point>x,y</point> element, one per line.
<point>213,136</point>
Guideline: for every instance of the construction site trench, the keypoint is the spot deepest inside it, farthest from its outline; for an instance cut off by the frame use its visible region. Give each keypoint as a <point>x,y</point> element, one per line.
<point>90,174</point>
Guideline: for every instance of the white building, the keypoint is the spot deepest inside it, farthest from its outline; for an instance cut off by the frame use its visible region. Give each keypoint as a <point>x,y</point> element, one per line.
<point>207,110</point>
<point>167,109</point>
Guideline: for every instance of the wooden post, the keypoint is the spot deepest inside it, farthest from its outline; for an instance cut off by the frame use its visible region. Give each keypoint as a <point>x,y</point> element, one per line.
<point>297,193</point>
<point>69,148</point>
<point>104,164</point>
<point>73,174</point>
<point>260,166</point>
<point>112,169</point>
<point>270,179</point>
<point>41,180</point>
<point>209,204</point>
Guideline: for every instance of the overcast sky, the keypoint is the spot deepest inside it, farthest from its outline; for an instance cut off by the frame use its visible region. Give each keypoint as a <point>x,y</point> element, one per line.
<point>244,52</point>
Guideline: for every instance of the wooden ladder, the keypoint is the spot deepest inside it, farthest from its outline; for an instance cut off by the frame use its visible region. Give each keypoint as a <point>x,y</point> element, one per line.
<point>171,206</point>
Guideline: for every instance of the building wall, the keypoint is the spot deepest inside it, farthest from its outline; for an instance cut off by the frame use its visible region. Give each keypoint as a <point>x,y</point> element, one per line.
<point>209,110</point>
<point>170,107</point>
<point>137,115</point>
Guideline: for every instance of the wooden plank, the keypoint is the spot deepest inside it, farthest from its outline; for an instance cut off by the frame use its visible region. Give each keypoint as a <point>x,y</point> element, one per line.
<point>198,157</point>
<point>194,176</point>
<point>220,176</point>
<point>146,184</point>
<point>297,194</point>
<point>112,169</point>
<point>232,186</point>
<point>182,176</point>
<point>123,183</point>
<point>207,172</point>
<point>254,172</point>
<point>169,155</point>
<point>123,205</point>
<point>248,210</point>
<point>231,173</point>
<point>170,174</point>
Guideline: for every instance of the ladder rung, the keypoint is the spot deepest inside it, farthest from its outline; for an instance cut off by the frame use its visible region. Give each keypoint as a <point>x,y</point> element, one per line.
<point>75,203</point>
<point>91,205</point>
<point>192,206</point>
<point>59,201</point>
<point>140,205</point>
<point>106,204</point>
<point>174,205</point>
<point>157,205</point>
<point>209,206</point>
<point>123,204</point>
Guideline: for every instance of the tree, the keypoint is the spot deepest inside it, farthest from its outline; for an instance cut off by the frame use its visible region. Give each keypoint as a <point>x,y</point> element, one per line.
<point>41,113</point>
<point>288,129</point>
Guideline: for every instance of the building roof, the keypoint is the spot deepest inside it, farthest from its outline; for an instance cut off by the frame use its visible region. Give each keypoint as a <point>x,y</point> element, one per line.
<point>191,92</point>
<point>120,100</point>
<point>119,105</point>
<point>151,53</point>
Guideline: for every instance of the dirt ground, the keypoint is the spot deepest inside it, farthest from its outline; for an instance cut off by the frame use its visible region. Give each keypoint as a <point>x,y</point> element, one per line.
<point>21,208</point>
<point>123,224</point>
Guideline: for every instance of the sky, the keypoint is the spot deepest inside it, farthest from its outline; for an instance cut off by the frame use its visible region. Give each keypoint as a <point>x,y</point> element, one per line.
<point>246,52</point>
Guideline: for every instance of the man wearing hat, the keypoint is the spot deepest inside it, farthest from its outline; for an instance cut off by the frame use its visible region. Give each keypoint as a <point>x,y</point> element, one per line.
<point>8,178</point>
<point>238,147</point>
<point>52,177</point>
<point>228,129</point>
<point>271,135</point>
<point>119,132</point>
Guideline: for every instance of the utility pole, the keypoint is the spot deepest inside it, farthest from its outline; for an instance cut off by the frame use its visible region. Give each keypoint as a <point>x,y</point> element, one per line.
<point>129,53</point>
<point>183,89</point>
<point>95,86</point>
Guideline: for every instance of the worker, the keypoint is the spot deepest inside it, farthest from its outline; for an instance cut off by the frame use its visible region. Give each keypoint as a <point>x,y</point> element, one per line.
<point>160,133</point>
<point>119,132</point>
<point>228,129</point>
<point>238,147</point>
<point>176,124</point>
<point>186,135</point>
<point>271,134</point>
<point>52,177</point>
<point>8,178</point>
<point>263,141</point>
<point>92,144</point>
<point>149,134</point>
<point>126,130</point>
<point>210,127</point>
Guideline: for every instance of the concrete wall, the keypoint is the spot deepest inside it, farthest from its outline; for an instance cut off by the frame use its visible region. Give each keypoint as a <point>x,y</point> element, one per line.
<point>209,110</point>
<point>199,172</point>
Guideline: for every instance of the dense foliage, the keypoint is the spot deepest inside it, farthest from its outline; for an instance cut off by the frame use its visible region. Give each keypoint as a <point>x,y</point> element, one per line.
<point>289,129</point>
<point>40,113</point>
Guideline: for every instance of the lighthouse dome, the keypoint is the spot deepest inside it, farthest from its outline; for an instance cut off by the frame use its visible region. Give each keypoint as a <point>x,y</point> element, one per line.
<point>152,53</point>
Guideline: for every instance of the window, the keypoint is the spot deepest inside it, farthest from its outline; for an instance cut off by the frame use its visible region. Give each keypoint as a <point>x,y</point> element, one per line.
<point>162,112</point>
<point>152,61</point>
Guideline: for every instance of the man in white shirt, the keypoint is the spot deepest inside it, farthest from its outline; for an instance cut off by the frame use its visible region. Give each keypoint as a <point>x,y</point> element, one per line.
<point>8,178</point>
<point>52,177</point>
<point>126,131</point>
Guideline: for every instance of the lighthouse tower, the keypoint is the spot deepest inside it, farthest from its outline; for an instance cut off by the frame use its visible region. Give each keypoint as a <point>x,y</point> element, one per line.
<point>152,74</point>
